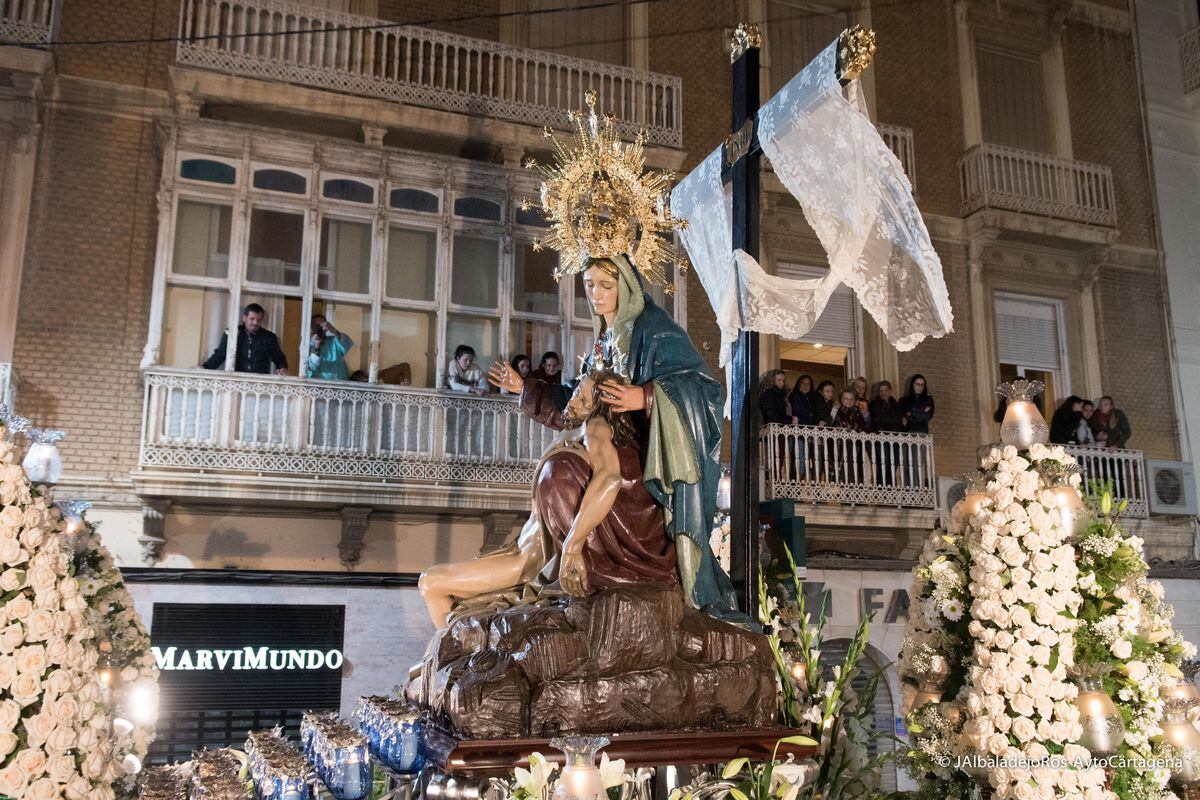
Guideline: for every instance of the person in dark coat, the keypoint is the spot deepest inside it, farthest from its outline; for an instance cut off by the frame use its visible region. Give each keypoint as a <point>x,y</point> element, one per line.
<point>885,418</point>
<point>1110,425</point>
<point>549,369</point>
<point>1064,424</point>
<point>773,399</point>
<point>773,405</point>
<point>823,404</point>
<point>801,401</point>
<point>258,349</point>
<point>916,407</point>
<point>916,410</point>
<point>885,409</point>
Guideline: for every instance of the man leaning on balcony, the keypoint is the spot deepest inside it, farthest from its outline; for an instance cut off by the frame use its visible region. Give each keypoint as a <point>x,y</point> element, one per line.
<point>257,348</point>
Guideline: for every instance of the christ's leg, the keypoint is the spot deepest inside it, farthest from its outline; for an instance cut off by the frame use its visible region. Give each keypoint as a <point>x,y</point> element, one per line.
<point>442,584</point>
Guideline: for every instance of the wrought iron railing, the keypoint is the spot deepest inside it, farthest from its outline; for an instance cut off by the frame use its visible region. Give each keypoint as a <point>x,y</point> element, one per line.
<point>310,46</point>
<point>994,176</point>
<point>900,141</point>
<point>833,465</point>
<point>1189,54</point>
<point>27,22</point>
<point>1125,468</point>
<point>216,421</point>
<point>8,386</point>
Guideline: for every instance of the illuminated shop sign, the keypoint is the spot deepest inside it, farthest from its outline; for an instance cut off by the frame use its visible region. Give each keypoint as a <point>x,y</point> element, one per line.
<point>248,657</point>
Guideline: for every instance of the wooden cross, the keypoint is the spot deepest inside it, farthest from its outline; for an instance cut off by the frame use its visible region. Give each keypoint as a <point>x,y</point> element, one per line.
<point>742,166</point>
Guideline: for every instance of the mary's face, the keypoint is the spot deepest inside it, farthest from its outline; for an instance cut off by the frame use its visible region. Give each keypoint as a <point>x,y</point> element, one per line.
<point>602,291</point>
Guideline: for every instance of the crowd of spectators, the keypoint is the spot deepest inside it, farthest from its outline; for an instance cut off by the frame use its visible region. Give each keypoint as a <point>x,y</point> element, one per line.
<point>1082,422</point>
<point>258,351</point>
<point>856,407</point>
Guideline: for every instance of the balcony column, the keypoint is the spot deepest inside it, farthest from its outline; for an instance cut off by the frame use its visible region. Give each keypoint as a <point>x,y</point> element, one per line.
<point>968,78</point>
<point>18,156</point>
<point>1093,382</point>
<point>982,329</point>
<point>354,528</point>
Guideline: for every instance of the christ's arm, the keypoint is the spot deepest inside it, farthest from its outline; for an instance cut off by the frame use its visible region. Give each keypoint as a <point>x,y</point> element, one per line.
<point>598,499</point>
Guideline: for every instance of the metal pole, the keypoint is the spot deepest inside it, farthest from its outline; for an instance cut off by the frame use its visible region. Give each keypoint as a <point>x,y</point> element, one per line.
<point>745,160</point>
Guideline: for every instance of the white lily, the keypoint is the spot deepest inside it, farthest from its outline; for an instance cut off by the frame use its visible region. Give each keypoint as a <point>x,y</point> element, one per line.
<point>534,779</point>
<point>612,771</point>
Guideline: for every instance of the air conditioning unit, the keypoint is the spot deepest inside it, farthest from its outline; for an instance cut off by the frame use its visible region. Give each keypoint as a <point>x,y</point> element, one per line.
<point>1172,487</point>
<point>950,491</point>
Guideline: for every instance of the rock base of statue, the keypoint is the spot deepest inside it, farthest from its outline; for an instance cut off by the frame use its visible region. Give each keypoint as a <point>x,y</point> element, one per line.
<point>623,660</point>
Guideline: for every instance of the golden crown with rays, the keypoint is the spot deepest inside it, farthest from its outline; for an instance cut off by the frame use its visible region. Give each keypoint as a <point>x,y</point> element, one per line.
<point>602,202</point>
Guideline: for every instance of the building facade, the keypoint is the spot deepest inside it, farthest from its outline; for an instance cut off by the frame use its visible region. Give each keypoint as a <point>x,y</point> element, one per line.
<point>362,159</point>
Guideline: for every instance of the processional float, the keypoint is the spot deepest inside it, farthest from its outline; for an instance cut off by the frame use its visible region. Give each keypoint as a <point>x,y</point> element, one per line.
<point>607,615</point>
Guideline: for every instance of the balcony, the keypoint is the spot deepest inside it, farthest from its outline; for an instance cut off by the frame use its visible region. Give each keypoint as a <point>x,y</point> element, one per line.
<point>313,47</point>
<point>1189,55</point>
<point>831,465</point>
<point>1009,179</point>
<point>900,141</point>
<point>1125,468</point>
<point>290,432</point>
<point>27,22</point>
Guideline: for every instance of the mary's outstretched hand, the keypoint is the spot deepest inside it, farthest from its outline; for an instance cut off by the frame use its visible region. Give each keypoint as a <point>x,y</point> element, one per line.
<point>503,376</point>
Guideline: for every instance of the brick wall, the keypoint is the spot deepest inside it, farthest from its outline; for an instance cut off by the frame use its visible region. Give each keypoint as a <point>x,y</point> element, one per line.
<point>916,85</point>
<point>948,365</point>
<point>1106,121</point>
<point>452,11</point>
<point>85,294</point>
<point>133,64</point>
<point>1134,357</point>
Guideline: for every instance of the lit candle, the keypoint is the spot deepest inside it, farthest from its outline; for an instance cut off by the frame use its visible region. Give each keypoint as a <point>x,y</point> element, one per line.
<point>352,781</point>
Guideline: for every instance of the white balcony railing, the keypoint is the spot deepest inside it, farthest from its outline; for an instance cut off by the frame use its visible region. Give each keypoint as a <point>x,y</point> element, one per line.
<point>994,176</point>
<point>28,22</point>
<point>309,46</point>
<point>216,421</point>
<point>900,141</point>
<point>1125,468</point>
<point>8,386</point>
<point>1189,54</point>
<point>818,465</point>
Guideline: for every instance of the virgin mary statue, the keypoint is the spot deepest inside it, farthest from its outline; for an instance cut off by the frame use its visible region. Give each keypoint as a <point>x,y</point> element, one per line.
<point>608,219</point>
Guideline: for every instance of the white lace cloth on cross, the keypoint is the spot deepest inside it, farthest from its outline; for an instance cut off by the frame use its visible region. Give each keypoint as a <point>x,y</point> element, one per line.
<point>854,194</point>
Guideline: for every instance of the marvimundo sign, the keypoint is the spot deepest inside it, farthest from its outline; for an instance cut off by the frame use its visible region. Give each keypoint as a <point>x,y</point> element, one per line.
<point>262,659</point>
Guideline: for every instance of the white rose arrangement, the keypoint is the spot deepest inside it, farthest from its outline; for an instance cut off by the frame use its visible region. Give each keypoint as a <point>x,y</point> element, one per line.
<point>54,731</point>
<point>1034,604</point>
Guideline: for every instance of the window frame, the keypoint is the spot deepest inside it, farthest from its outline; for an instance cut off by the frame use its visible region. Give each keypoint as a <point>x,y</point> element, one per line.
<point>1062,373</point>
<point>447,179</point>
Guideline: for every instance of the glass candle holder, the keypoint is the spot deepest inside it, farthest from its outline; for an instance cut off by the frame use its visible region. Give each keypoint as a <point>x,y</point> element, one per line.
<point>1070,509</point>
<point>1185,739</point>
<point>581,778</point>
<point>929,690</point>
<point>1023,423</point>
<point>1103,730</point>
